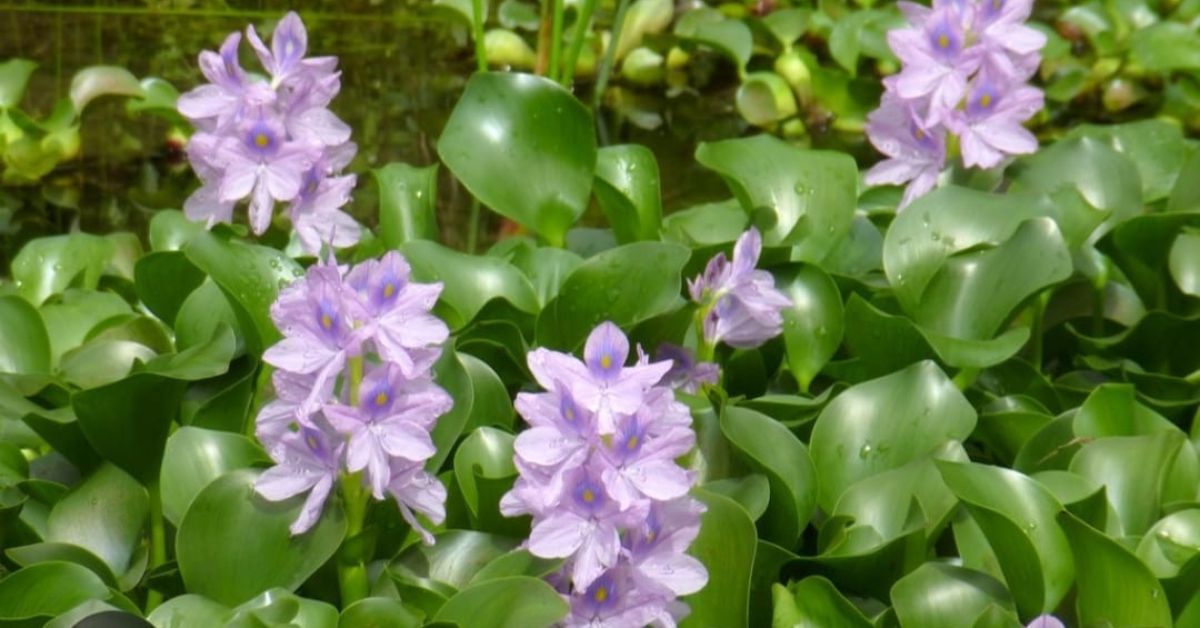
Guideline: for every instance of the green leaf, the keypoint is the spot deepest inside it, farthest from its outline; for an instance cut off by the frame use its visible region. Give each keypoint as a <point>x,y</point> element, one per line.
<point>470,281</point>
<point>49,265</point>
<point>1165,47</point>
<point>170,230</point>
<point>278,606</point>
<point>1184,262</point>
<point>709,27</point>
<point>627,188</point>
<point>1017,516</point>
<point>190,611</point>
<point>1156,146</point>
<point>812,326</point>
<point>886,423</point>
<point>801,198</point>
<point>450,374</point>
<point>195,457</point>
<point>104,515</point>
<point>204,311</point>
<point>706,225</point>
<point>484,469</point>
<point>626,285</point>
<point>1132,469</point>
<point>407,203</point>
<point>752,492</point>
<point>518,562</point>
<point>251,276</point>
<point>938,595</point>
<point>232,544</point>
<point>71,319</point>
<point>513,602</point>
<point>158,96</point>
<point>975,293</point>
<point>1171,543</point>
<point>202,361</point>
<point>765,98</point>
<point>1113,586</point>
<point>14,75</point>
<point>95,81</point>
<point>45,590</point>
<point>24,346</point>
<point>456,557</point>
<point>547,268</point>
<point>769,448</point>
<point>726,545</point>
<point>814,602</point>
<point>1185,196</point>
<point>506,127</point>
<point>35,553</point>
<point>127,421</point>
<point>164,280</point>
<point>1106,179</point>
<point>378,612</point>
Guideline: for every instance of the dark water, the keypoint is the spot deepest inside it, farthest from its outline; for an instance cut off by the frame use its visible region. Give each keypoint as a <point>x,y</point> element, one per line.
<point>403,65</point>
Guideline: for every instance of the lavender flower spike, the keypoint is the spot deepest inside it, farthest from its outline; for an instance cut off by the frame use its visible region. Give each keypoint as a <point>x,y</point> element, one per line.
<point>306,461</point>
<point>744,306</point>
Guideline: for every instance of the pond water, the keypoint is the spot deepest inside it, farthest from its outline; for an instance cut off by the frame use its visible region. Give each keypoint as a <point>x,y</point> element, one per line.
<point>403,66</point>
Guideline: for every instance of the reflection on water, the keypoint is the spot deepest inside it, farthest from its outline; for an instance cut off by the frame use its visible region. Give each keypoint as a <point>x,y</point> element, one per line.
<point>403,66</point>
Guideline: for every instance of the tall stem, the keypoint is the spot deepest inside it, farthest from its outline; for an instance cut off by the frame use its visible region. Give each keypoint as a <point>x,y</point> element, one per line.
<point>1039,316</point>
<point>556,30</point>
<point>481,63</point>
<point>473,227</point>
<point>158,542</point>
<point>610,56</point>
<point>543,47</point>
<point>582,21</point>
<point>352,568</point>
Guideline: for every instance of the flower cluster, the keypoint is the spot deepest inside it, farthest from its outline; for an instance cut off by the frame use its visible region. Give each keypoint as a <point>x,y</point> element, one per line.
<point>353,388</point>
<point>965,67</point>
<point>740,305</point>
<point>599,477</point>
<point>271,140</point>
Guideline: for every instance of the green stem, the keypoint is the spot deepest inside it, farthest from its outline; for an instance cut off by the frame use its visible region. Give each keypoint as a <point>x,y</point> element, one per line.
<point>610,55</point>
<point>481,63</point>
<point>556,30</point>
<point>705,350</point>
<point>158,543</point>
<point>582,21</point>
<point>543,47</point>
<point>964,378</point>
<point>473,227</point>
<point>352,568</point>
<point>1039,316</point>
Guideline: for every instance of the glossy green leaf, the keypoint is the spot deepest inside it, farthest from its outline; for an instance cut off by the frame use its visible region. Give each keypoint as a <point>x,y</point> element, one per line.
<point>1171,543</point>
<point>751,492</point>
<point>1113,586</point>
<point>202,313</point>
<point>164,280</point>
<point>484,469</point>
<point>1140,247</point>
<point>1156,147</point>
<point>456,557</point>
<point>627,188</point>
<point>378,612</point>
<point>508,126</point>
<point>814,602</point>
<point>24,346</point>
<point>280,606</point>
<point>14,75</point>
<point>202,361</point>
<point>770,449</point>
<point>407,203</point>
<point>50,551</point>
<point>190,611</point>
<point>518,562</point>
<point>975,293</point>
<point>232,544</point>
<point>726,545</point>
<point>513,602</point>
<point>1165,47</point>
<point>939,595</point>
<point>1184,262</point>
<point>886,423</point>
<point>127,421</point>
<point>626,285</point>
<point>813,325</point>
<point>1185,196</point>
<point>1106,179</point>
<point>709,27</point>
<point>547,269</point>
<point>450,374</point>
<point>1132,470</point>
<point>193,458</point>
<point>49,265</point>
<point>1017,516</point>
<point>47,589</point>
<point>765,98</point>
<point>70,319</point>
<point>104,515</point>
<point>707,224</point>
<point>95,81</point>
<point>469,281</point>
<point>251,275</point>
<point>796,197</point>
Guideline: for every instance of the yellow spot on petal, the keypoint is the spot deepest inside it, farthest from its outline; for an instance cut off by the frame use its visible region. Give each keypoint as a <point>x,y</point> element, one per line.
<point>943,41</point>
<point>601,594</point>
<point>606,361</point>
<point>588,495</point>
<point>919,134</point>
<point>326,321</point>
<point>312,441</point>
<point>632,443</point>
<point>381,399</point>
<point>985,101</point>
<point>261,140</point>
<point>389,289</point>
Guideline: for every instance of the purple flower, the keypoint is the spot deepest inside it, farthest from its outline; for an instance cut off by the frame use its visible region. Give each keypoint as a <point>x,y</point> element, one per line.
<point>916,152</point>
<point>656,548</point>
<point>306,461</point>
<point>271,142</point>
<point>614,600</point>
<point>743,305</point>
<point>399,318</point>
<point>990,127</point>
<point>392,420</point>
<point>286,412</point>
<point>601,383</point>
<point>1045,621</point>
<point>418,492</point>
<point>686,373</point>
<point>937,60</point>
<point>1009,46</point>
<point>640,461</point>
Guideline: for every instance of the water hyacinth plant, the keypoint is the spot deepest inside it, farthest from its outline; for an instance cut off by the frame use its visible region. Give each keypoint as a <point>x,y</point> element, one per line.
<point>792,398</point>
